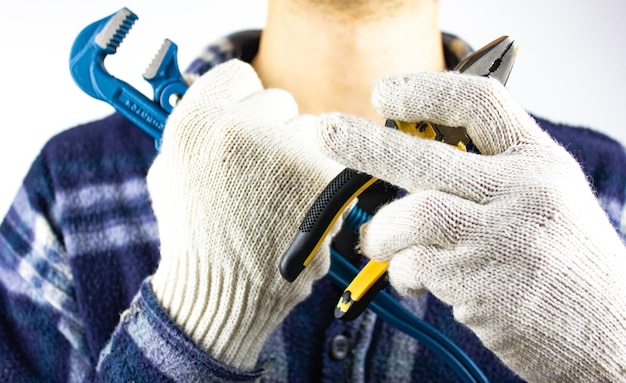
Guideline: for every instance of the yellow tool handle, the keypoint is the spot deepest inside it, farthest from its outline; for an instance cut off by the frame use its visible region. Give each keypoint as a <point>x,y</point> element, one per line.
<point>373,276</point>
<point>365,283</point>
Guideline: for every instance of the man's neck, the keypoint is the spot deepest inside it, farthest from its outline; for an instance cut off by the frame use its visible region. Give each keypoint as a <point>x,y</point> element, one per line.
<point>330,59</point>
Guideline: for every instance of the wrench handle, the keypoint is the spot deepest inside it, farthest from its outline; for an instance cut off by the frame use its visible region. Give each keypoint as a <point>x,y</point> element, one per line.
<point>140,110</point>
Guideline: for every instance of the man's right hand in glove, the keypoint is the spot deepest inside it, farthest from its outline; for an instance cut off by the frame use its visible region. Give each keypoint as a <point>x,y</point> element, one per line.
<point>513,239</point>
<point>237,171</point>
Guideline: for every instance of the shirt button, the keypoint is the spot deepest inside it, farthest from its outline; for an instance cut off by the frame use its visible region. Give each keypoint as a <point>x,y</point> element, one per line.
<point>339,347</point>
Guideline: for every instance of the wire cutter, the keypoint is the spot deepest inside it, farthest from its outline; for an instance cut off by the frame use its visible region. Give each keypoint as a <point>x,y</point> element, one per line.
<point>493,60</point>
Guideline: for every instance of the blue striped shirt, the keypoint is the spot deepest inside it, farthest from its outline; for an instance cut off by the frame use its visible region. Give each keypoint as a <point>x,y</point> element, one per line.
<point>80,240</point>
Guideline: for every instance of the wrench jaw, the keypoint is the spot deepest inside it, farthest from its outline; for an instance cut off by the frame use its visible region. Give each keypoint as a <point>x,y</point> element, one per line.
<point>92,45</point>
<point>114,29</point>
<point>102,38</point>
<point>164,76</point>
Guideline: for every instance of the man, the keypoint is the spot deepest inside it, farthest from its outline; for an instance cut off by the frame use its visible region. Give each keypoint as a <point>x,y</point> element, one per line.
<point>512,242</point>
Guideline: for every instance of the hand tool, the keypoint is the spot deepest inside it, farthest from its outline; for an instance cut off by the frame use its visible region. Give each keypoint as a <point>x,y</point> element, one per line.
<point>493,60</point>
<point>102,38</point>
<point>87,66</point>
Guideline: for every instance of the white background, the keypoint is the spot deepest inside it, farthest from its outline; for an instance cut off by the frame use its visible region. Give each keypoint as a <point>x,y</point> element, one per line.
<point>569,68</point>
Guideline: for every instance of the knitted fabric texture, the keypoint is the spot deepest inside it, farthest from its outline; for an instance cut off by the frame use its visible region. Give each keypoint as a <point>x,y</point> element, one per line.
<point>513,239</point>
<point>234,178</point>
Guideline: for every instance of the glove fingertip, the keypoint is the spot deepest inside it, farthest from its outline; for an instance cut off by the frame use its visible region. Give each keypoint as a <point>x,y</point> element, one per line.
<point>383,93</point>
<point>342,135</point>
<point>376,241</point>
<point>403,278</point>
<point>333,134</point>
<point>408,97</point>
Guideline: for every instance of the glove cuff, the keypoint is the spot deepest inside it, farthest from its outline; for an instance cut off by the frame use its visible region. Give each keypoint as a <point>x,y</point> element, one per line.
<point>228,315</point>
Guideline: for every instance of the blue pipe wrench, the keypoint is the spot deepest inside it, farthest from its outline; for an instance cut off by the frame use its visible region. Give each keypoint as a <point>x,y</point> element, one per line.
<point>102,38</point>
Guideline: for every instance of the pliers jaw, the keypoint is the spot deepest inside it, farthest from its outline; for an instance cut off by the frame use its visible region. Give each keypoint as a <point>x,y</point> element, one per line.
<point>96,41</point>
<point>495,60</point>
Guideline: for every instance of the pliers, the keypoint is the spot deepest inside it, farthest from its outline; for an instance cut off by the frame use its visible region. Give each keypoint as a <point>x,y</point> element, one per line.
<point>493,60</point>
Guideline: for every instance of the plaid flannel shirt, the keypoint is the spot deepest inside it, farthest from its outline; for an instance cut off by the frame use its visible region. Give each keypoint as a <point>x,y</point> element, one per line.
<point>80,240</point>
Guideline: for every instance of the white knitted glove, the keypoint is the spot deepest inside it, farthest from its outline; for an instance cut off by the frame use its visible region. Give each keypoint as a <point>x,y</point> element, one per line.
<point>513,239</point>
<point>237,171</point>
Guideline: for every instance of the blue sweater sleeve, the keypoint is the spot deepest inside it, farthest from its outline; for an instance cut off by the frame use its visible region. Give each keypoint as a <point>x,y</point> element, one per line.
<point>148,346</point>
<point>42,336</point>
<point>41,331</point>
<point>68,278</point>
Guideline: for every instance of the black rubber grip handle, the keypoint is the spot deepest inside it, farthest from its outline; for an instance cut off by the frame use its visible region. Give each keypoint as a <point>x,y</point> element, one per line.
<point>337,195</point>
